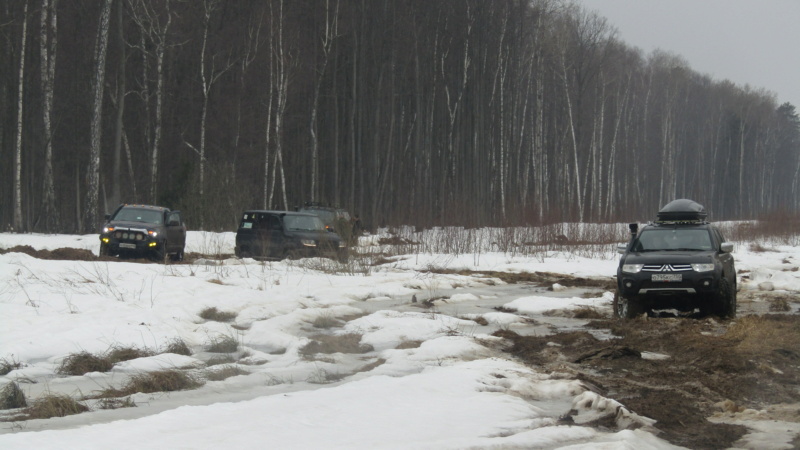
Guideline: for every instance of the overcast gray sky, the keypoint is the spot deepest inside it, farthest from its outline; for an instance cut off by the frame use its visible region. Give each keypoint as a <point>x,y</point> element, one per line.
<point>755,42</point>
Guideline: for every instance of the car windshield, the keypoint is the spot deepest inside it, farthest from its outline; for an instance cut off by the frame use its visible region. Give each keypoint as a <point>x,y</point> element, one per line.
<point>303,223</point>
<point>138,215</point>
<point>673,239</point>
<point>324,215</point>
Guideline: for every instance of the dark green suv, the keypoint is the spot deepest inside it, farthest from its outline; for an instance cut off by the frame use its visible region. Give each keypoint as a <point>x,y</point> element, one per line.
<point>286,234</point>
<point>679,262</point>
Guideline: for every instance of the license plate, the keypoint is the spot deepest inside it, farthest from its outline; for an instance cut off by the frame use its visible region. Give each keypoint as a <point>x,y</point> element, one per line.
<point>668,277</point>
<point>133,246</point>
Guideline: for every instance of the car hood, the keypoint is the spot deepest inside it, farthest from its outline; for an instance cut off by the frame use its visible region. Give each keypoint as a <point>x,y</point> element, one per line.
<point>673,257</point>
<point>135,225</point>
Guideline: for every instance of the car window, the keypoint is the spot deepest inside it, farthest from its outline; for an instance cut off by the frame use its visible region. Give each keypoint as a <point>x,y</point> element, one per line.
<point>673,239</point>
<point>138,215</point>
<point>303,223</point>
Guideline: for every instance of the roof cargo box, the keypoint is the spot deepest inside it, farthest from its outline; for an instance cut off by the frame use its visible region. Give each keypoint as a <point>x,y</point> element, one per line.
<point>682,210</point>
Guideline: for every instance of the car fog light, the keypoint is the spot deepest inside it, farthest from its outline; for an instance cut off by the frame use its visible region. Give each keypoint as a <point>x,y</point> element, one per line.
<point>342,244</point>
<point>152,244</point>
<point>105,240</point>
<point>706,283</point>
<point>628,284</point>
<point>308,242</point>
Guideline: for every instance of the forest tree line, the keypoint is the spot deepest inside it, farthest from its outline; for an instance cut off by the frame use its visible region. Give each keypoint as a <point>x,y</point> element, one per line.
<point>417,112</point>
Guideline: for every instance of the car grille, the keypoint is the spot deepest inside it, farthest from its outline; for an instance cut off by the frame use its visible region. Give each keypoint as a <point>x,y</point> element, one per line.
<point>667,268</point>
<point>129,236</point>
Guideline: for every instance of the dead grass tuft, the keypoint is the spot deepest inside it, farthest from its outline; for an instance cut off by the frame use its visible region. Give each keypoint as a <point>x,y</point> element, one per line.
<point>219,360</point>
<point>9,364</point>
<point>159,381</point>
<point>762,334</point>
<point>342,343</point>
<point>216,315</point>
<point>178,347</point>
<point>12,397</point>
<point>779,304</point>
<point>587,312</point>
<point>116,403</point>
<point>53,405</point>
<point>408,344</point>
<point>326,321</point>
<point>222,344</point>
<point>224,372</point>
<point>323,376</point>
<point>83,363</point>
<point>119,354</point>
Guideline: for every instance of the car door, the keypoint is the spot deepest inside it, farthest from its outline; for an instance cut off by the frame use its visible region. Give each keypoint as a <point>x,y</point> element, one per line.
<point>176,231</point>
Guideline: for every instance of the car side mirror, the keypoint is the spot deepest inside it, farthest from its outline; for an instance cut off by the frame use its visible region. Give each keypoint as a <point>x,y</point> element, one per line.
<point>726,247</point>
<point>621,248</point>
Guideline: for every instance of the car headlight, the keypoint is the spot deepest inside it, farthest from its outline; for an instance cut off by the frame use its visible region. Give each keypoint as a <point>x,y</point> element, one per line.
<point>703,267</point>
<point>308,242</point>
<point>152,233</point>
<point>632,268</point>
<point>107,229</point>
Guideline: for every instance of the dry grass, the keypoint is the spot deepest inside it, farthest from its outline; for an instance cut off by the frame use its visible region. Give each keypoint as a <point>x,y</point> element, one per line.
<point>587,312</point>
<point>224,372</point>
<point>12,397</point>
<point>323,376</point>
<point>116,403</point>
<point>326,321</point>
<point>216,315</point>
<point>119,354</point>
<point>159,381</point>
<point>408,344</point>
<point>83,363</point>
<point>178,347</point>
<point>342,343</point>
<point>222,344</point>
<point>221,359</point>
<point>53,405</point>
<point>760,334</point>
<point>7,365</point>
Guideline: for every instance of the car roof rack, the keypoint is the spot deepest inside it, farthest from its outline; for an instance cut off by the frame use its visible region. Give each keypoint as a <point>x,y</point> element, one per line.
<point>682,211</point>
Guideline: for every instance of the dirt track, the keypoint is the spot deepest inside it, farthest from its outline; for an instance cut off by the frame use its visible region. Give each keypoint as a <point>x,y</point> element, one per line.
<point>692,369</point>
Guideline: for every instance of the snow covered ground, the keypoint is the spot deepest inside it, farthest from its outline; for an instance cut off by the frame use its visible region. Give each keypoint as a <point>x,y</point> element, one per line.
<point>432,378</point>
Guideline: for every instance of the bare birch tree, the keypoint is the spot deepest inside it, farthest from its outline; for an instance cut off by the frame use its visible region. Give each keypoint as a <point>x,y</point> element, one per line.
<point>96,131</point>
<point>18,224</point>
<point>47,51</point>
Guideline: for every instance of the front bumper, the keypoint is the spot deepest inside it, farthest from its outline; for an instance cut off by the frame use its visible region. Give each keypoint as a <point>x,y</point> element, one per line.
<point>132,243</point>
<point>643,284</point>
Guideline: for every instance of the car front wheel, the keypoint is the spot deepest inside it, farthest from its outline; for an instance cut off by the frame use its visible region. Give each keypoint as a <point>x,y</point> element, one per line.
<point>625,308</point>
<point>725,302</point>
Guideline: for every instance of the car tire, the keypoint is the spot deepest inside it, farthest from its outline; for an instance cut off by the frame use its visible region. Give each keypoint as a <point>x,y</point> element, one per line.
<point>725,301</point>
<point>625,308</point>
<point>104,251</point>
<point>177,256</point>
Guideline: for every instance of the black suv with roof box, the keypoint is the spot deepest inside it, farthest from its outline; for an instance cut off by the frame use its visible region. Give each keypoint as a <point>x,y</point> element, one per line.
<point>286,234</point>
<point>679,262</point>
<point>143,230</point>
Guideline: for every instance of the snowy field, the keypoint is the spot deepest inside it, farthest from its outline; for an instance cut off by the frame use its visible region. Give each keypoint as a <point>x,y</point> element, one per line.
<point>430,377</point>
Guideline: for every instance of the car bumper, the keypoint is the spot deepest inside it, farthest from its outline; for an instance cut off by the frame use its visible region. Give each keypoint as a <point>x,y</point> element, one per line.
<point>644,284</point>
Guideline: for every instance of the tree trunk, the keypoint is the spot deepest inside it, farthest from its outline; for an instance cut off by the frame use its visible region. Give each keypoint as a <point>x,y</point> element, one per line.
<point>96,131</point>
<point>47,49</point>
<point>18,223</point>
